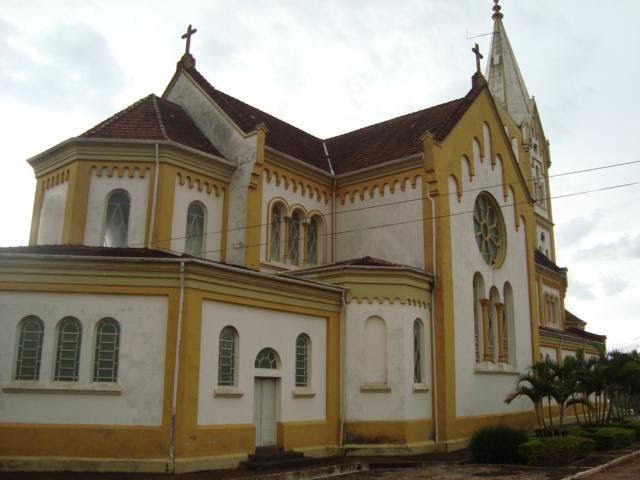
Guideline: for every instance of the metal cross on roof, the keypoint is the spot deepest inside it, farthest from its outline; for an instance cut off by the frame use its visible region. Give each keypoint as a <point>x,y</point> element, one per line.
<point>479,56</point>
<point>187,36</point>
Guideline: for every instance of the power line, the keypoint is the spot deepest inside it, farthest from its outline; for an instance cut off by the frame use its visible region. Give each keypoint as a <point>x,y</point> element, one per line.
<point>400,202</point>
<point>405,222</point>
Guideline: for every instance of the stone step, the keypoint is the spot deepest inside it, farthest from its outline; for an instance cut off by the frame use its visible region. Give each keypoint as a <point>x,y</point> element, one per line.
<point>266,458</point>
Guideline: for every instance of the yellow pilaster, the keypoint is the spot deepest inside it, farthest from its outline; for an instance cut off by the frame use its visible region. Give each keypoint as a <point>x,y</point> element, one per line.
<point>37,210</point>
<point>75,212</point>
<point>163,224</point>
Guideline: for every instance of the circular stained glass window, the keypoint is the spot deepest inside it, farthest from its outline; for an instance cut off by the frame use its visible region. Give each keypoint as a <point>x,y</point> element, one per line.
<point>488,227</point>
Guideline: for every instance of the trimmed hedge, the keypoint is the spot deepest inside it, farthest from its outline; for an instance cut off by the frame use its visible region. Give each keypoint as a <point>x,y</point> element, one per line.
<point>607,438</point>
<point>635,426</point>
<point>497,444</point>
<point>555,451</point>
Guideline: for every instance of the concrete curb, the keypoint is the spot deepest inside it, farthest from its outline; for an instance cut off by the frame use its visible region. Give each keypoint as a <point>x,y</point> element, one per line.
<point>603,467</point>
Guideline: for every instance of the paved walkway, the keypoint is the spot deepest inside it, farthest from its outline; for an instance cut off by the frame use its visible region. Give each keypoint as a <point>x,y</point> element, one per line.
<point>629,470</point>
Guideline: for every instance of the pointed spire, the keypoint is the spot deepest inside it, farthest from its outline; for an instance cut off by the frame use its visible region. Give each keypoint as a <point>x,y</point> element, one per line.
<point>496,11</point>
<point>503,74</point>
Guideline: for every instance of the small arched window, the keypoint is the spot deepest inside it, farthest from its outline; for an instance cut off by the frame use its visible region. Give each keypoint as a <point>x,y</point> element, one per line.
<point>106,354</point>
<point>478,294</point>
<point>227,357</point>
<point>295,225</point>
<point>303,347</point>
<point>68,350</point>
<point>116,220</point>
<point>194,238</point>
<point>275,233</point>
<point>312,243</point>
<point>31,331</point>
<point>267,358</point>
<point>494,299</point>
<point>509,323</point>
<point>418,351</point>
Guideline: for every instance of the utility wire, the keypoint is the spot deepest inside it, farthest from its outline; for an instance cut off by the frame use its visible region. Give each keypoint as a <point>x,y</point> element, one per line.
<point>405,222</point>
<point>400,202</point>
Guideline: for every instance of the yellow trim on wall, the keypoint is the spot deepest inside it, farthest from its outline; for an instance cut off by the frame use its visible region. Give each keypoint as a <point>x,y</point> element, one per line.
<point>378,186</point>
<point>75,213</point>
<point>307,186</point>
<point>371,432</point>
<point>37,211</point>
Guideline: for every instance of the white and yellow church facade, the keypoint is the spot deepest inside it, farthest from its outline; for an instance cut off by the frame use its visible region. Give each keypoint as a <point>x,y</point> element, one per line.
<point>203,278</point>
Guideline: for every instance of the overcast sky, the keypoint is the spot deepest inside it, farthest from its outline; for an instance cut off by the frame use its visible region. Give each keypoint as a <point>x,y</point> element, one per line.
<point>333,66</point>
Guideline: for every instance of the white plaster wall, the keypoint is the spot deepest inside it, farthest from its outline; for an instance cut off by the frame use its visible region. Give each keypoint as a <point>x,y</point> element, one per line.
<point>401,402</point>
<point>183,196</point>
<point>483,393</point>
<point>315,204</point>
<point>552,352</point>
<point>232,143</point>
<point>401,241</point>
<point>568,353</point>
<point>101,187</point>
<point>257,329</point>
<point>543,245</point>
<point>52,214</point>
<point>143,324</point>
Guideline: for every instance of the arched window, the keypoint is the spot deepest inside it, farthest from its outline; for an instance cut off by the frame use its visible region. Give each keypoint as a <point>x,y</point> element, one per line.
<point>68,350</point>
<point>105,360</point>
<point>227,357</point>
<point>478,294</point>
<point>418,351</point>
<point>509,324</point>
<point>295,225</point>
<point>275,233</point>
<point>267,358</point>
<point>312,241</point>
<point>303,347</point>
<point>194,238</point>
<point>116,220</point>
<point>494,299</point>
<point>375,361</point>
<point>31,331</point>
<point>489,229</point>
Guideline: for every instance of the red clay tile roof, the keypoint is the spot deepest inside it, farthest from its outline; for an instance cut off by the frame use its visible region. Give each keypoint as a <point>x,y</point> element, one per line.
<point>366,147</point>
<point>281,136</point>
<point>395,138</point>
<point>85,250</point>
<point>544,261</point>
<point>585,334</point>
<point>153,118</point>
<point>570,320</point>
<point>368,262</point>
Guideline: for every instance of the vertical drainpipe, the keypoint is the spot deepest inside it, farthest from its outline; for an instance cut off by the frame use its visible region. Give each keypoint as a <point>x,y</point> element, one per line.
<point>154,198</point>
<point>434,370</point>
<point>176,373</point>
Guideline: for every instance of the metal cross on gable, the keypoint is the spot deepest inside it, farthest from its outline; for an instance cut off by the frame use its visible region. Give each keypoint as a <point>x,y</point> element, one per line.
<point>187,36</point>
<point>479,56</point>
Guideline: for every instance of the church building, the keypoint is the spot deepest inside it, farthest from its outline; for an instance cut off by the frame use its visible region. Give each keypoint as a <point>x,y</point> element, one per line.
<point>203,278</point>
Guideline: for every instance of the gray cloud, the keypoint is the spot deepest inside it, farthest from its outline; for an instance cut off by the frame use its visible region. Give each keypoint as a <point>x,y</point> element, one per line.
<point>614,285</point>
<point>69,67</point>
<point>627,246</point>
<point>580,290</point>
<point>574,230</point>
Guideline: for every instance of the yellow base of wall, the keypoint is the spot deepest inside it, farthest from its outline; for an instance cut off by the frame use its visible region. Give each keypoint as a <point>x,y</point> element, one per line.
<point>56,464</point>
<point>388,449</point>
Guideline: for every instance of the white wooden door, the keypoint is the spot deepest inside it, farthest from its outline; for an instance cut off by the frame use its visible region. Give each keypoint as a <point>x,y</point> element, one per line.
<point>264,411</point>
